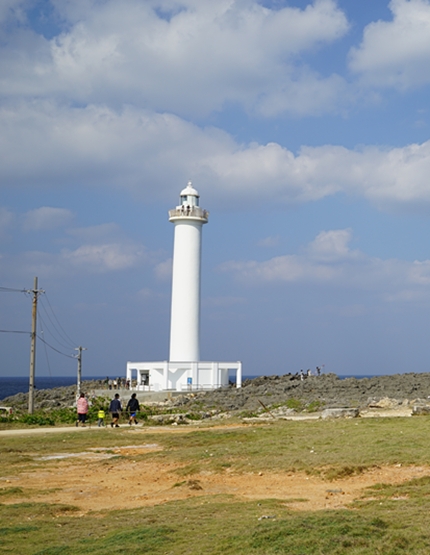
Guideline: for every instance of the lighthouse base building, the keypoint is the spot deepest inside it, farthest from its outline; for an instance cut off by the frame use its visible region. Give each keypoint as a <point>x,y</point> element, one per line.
<point>184,371</point>
<point>182,376</point>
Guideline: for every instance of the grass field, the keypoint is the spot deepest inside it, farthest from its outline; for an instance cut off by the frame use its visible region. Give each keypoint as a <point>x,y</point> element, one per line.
<point>386,519</point>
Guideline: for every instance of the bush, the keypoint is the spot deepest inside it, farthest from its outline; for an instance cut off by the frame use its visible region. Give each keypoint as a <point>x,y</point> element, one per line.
<point>4,419</point>
<point>64,415</point>
<point>295,404</point>
<point>315,406</point>
<point>37,419</point>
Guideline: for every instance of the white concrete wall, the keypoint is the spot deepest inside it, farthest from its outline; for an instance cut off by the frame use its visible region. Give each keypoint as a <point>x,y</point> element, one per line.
<point>183,376</point>
<point>185,307</point>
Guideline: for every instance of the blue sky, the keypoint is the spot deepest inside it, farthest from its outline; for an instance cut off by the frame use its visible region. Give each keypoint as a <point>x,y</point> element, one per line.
<point>303,125</point>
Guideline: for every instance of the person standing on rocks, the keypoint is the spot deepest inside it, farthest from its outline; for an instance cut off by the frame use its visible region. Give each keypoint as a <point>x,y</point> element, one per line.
<point>115,409</point>
<point>132,408</point>
<point>82,408</point>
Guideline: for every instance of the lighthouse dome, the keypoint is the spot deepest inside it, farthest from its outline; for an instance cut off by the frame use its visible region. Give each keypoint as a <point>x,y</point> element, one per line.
<point>189,196</point>
<point>189,190</point>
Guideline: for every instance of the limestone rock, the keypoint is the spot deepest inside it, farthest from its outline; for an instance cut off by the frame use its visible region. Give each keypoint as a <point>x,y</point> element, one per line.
<point>340,413</point>
<point>418,410</point>
<point>385,403</point>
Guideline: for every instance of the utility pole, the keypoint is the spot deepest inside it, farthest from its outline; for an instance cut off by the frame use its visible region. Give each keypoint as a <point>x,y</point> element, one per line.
<point>79,357</point>
<point>36,293</point>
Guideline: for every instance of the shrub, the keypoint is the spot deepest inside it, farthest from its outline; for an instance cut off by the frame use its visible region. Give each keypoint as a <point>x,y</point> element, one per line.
<point>295,404</point>
<point>315,406</point>
<point>37,419</point>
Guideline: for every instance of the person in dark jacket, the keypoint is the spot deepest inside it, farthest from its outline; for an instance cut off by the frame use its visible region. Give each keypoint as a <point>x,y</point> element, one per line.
<point>115,409</point>
<point>132,408</point>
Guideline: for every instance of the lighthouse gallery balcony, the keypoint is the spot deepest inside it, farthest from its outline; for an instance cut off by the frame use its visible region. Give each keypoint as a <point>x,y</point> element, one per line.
<point>192,212</point>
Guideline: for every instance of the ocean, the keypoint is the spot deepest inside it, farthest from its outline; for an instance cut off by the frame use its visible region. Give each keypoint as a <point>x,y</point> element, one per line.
<point>11,386</point>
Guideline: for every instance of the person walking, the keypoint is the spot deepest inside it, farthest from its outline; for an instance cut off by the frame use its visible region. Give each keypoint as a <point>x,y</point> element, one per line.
<point>82,408</point>
<point>101,418</point>
<point>115,409</point>
<point>132,408</point>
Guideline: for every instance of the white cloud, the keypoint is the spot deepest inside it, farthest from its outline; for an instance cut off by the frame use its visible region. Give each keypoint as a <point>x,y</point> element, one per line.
<point>163,270</point>
<point>331,245</point>
<point>13,10</point>
<point>306,93</point>
<point>46,218</point>
<point>268,242</point>
<point>46,145</point>
<point>189,62</point>
<point>84,260</point>
<point>97,233</point>
<point>100,250</point>
<point>50,145</point>
<point>329,261</point>
<point>104,257</point>
<point>382,175</point>
<point>396,53</point>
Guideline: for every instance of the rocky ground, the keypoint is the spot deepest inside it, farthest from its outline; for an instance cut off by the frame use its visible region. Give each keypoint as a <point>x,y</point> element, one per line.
<point>58,397</point>
<point>325,391</point>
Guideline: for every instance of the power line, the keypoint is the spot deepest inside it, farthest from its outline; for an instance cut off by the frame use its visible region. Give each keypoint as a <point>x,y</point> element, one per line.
<point>55,323</point>
<point>36,293</point>
<point>13,331</point>
<point>46,352</point>
<point>53,348</point>
<point>43,324</point>
<point>64,334</point>
<point>11,290</point>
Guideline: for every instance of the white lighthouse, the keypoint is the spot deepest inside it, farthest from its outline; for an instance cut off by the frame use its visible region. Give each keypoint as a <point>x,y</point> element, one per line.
<point>184,371</point>
<point>188,219</point>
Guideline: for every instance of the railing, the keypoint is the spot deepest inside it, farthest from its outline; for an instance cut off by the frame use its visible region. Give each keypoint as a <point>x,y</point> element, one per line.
<point>190,212</point>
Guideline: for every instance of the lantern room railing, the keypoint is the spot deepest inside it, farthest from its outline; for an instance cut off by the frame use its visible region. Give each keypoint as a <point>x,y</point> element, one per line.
<point>189,212</point>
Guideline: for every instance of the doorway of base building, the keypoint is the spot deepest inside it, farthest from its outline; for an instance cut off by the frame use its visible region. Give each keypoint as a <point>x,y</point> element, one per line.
<point>144,377</point>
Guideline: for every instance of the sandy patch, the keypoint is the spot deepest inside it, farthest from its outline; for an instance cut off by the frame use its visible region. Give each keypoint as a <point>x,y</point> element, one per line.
<point>91,482</point>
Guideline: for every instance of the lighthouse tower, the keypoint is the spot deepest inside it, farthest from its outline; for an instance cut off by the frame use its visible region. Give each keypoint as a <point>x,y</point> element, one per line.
<point>188,219</point>
<point>184,371</point>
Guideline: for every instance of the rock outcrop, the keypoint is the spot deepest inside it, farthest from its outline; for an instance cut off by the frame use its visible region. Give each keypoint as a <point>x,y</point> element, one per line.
<point>276,394</point>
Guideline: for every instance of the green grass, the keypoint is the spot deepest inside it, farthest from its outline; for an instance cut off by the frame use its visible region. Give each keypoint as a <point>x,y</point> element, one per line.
<point>387,520</point>
<point>217,526</point>
<point>313,446</point>
<point>344,446</point>
<point>330,448</point>
<point>11,492</point>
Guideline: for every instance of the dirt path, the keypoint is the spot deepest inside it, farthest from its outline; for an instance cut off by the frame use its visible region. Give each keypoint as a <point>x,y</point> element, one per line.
<point>88,481</point>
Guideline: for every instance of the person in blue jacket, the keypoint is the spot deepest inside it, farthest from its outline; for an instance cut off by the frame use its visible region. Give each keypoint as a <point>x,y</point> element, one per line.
<point>132,408</point>
<point>115,409</point>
